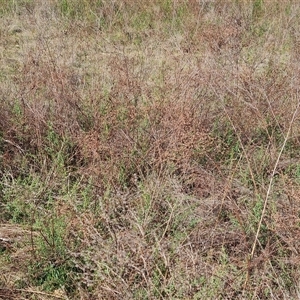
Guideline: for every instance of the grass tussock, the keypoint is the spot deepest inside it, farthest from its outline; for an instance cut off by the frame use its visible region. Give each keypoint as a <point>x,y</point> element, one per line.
<point>149,150</point>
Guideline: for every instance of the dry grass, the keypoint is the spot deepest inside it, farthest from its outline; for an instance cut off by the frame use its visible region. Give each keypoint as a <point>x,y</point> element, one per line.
<point>149,150</point>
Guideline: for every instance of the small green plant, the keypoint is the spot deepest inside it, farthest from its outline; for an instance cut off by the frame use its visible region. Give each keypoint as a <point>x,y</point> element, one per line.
<point>257,8</point>
<point>297,173</point>
<point>142,21</point>
<point>51,267</point>
<point>11,6</point>
<point>71,9</point>
<point>19,202</point>
<point>229,148</point>
<point>174,15</point>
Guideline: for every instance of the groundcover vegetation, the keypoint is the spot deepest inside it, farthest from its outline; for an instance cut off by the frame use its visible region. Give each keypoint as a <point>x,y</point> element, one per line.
<point>149,149</point>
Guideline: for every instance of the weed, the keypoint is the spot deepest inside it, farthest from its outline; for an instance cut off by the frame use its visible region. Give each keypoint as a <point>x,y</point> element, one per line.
<point>149,150</point>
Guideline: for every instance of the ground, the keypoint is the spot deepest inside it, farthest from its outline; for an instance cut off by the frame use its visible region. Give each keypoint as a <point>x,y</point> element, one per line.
<point>149,149</point>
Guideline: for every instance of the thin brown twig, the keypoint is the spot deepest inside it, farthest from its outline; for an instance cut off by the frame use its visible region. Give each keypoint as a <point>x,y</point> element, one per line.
<point>271,181</point>
<point>15,145</point>
<point>35,292</point>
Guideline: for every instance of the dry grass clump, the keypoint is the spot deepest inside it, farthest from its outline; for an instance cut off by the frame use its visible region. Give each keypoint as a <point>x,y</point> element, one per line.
<point>149,150</point>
